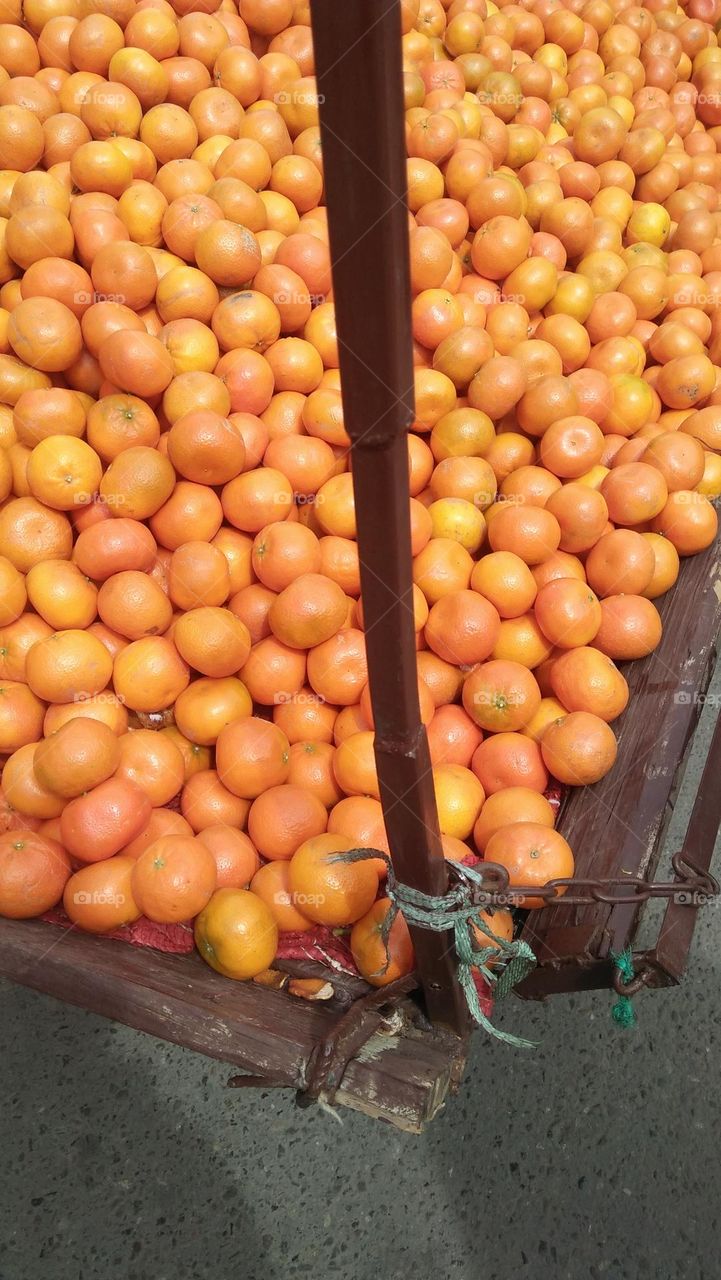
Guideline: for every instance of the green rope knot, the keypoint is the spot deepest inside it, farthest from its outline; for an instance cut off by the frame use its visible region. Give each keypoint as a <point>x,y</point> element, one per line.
<point>623,1012</point>
<point>502,963</point>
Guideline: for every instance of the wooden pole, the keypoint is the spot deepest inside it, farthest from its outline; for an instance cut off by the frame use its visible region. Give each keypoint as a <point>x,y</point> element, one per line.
<point>358,65</point>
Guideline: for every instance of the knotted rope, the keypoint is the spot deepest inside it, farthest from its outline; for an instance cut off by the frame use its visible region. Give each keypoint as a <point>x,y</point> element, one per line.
<point>623,1012</point>
<point>502,963</point>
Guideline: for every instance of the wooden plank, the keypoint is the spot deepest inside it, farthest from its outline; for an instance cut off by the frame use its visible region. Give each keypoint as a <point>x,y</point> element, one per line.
<point>402,1078</point>
<point>616,827</point>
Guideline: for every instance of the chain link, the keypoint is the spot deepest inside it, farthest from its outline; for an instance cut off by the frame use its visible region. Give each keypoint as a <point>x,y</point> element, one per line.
<point>692,887</point>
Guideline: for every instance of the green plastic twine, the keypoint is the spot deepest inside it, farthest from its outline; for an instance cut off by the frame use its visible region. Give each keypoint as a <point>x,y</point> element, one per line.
<point>623,1012</point>
<point>454,911</point>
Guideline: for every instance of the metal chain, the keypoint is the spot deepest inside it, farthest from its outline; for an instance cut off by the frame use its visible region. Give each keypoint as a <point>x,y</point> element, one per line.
<point>692,887</point>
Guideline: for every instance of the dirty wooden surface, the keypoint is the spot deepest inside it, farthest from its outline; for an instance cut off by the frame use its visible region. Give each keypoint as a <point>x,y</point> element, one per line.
<point>402,1078</point>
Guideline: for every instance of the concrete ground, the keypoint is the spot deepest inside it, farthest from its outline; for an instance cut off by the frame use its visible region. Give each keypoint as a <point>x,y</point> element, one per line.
<point>594,1157</point>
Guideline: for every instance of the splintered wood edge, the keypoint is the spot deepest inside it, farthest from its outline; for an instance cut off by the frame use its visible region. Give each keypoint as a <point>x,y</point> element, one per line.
<point>401,1076</point>
<point>616,826</point>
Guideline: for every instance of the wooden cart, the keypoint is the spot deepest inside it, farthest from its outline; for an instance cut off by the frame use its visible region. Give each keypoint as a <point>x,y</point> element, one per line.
<point>384,1052</point>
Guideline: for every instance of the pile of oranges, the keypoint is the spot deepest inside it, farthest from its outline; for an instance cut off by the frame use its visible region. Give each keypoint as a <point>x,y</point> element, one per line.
<point>185,718</point>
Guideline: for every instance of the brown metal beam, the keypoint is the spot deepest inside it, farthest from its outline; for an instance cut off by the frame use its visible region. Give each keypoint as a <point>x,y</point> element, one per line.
<point>358,65</point>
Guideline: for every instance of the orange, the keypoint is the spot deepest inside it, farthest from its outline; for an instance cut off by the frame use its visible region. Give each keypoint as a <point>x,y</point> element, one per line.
<point>361,819</point>
<point>14,593</point>
<point>282,818</point>
<point>582,515</point>
<point>328,890</point>
<point>354,765</point>
<point>501,695</point>
<point>133,605</point>
<point>21,716</point>
<point>117,422</point>
<point>255,499</point>
<point>382,957</point>
<point>194,756</point>
<point>77,757</point>
<point>630,627</point>
<point>509,760</point>
<point>189,505</point>
<point>459,797</point>
<point>137,483</point>
<point>452,735</point>
<point>198,575</point>
<point>174,879</point>
<point>666,565</point>
<point>462,627</point>
<point>508,806</point>
<point>441,567</point>
<point>38,414</point>
<point>154,762</point>
<point>305,717</point>
<point>113,546</point>
<point>283,551</point>
<point>228,253</point>
<point>621,562</point>
<point>532,854</point>
<point>99,898</point>
<point>568,612</point>
<point>149,674</point>
<point>208,705</point>
<point>63,472</point>
<point>67,664</point>
<point>33,873</point>
<point>579,748</point>
<point>235,856</point>
<point>337,668</point>
<point>97,824</point>
<point>272,885</point>
<point>584,679</point>
<point>44,334</point>
<point>679,457</point>
<point>252,755</point>
<point>532,533</point>
<point>312,767</point>
<point>236,934</point>
<point>634,492</point>
<point>505,580</point>
<point>688,520</point>
<point>61,594</point>
<point>136,362</point>
<point>105,707</point>
<point>162,822</point>
<point>22,790</point>
<point>308,611</point>
<point>212,641</point>
<point>205,802</point>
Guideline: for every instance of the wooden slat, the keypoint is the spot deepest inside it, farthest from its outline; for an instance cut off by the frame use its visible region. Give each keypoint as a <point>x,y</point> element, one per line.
<point>401,1078</point>
<point>616,826</point>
